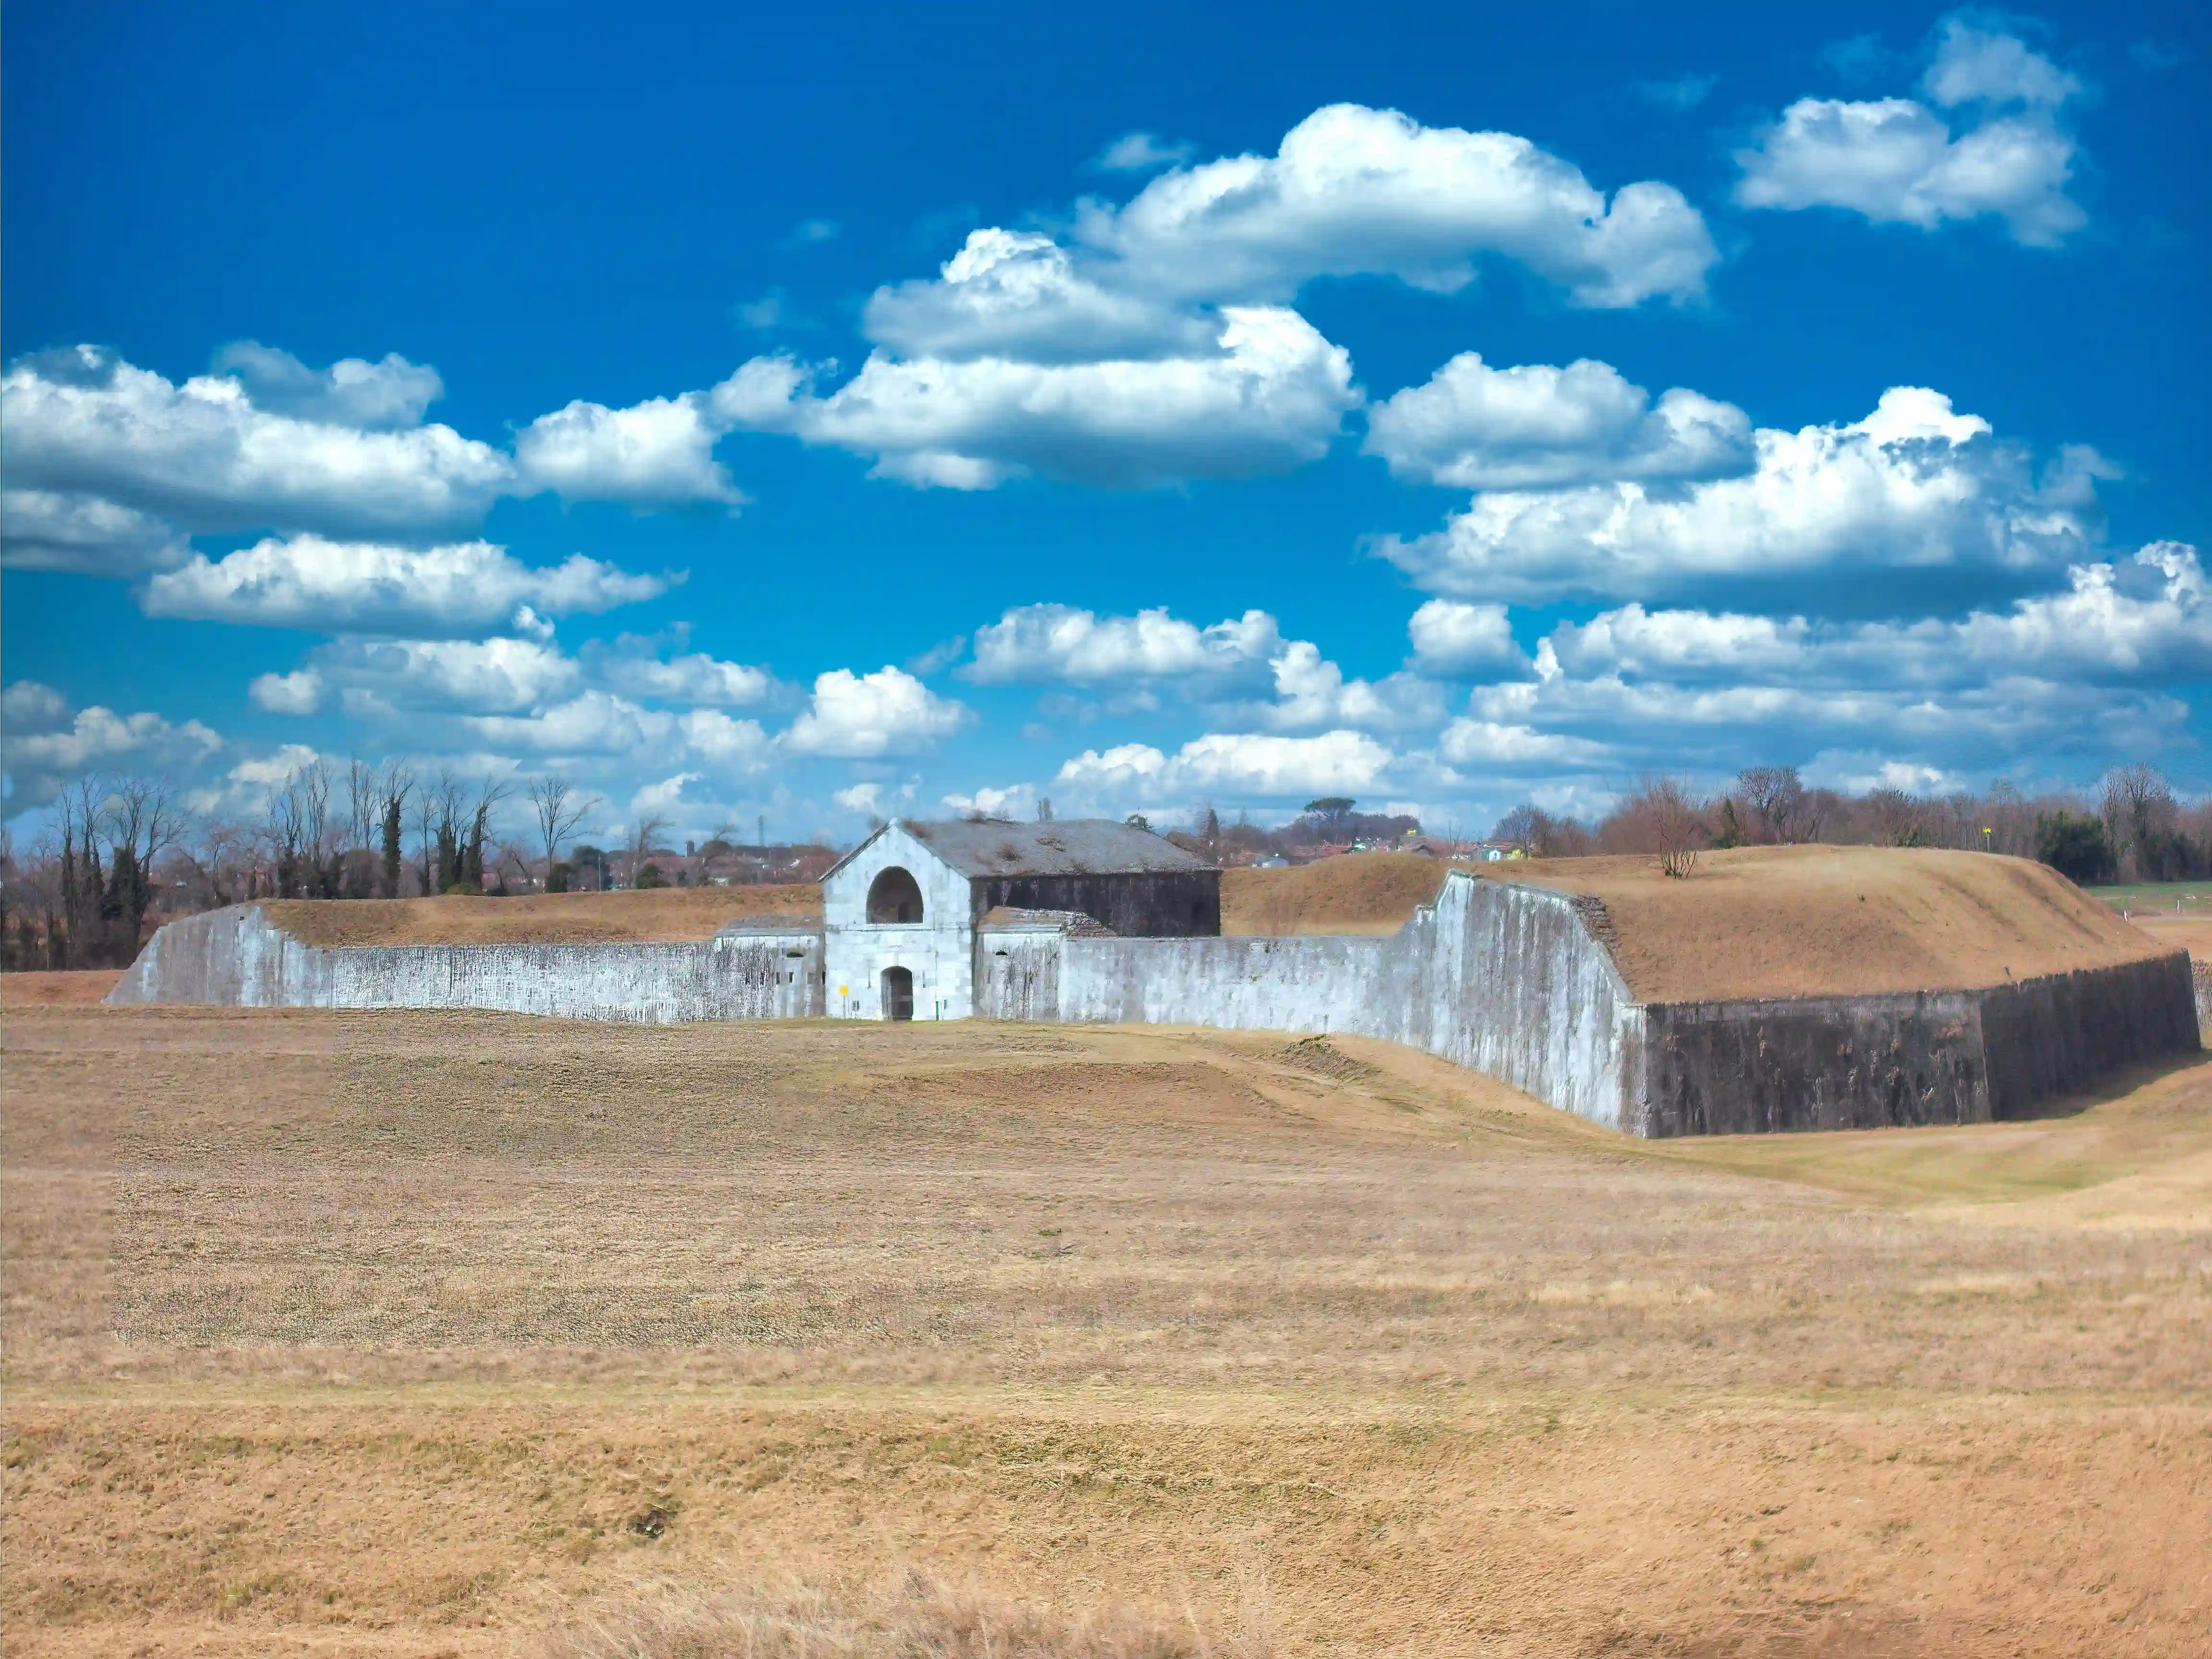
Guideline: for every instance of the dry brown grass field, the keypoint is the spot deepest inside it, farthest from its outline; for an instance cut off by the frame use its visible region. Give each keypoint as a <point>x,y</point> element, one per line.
<point>457,1335</point>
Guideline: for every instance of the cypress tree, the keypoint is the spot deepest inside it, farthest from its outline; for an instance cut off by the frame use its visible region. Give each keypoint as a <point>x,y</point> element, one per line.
<point>472,857</point>
<point>391,847</point>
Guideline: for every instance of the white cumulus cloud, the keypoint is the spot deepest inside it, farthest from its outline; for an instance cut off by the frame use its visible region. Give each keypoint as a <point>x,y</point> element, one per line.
<point>300,692</point>
<point>1017,295</point>
<point>1356,191</point>
<point>1537,427</point>
<point>43,529</point>
<point>693,676</point>
<point>1311,690</point>
<point>656,453</point>
<point>1502,746</point>
<point>2144,619</point>
<point>1914,485</point>
<point>1240,670</point>
<point>863,798</point>
<point>1142,152</point>
<point>592,722</point>
<point>380,397</point>
<point>45,743</point>
<point>494,675</point>
<point>1037,644</point>
<point>864,716</point>
<point>1236,765</point>
<point>369,586</point>
<point>1897,161</point>
<point>1450,637</point>
<point>660,798</point>
<point>1016,800</point>
<point>1269,396</point>
<point>81,420</point>
<point>2085,671</point>
<point>726,743</point>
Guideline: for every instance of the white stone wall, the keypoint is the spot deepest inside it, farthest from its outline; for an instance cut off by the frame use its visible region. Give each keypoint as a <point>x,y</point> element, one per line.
<point>1020,967</point>
<point>938,950</point>
<point>235,957</point>
<point>1501,979</point>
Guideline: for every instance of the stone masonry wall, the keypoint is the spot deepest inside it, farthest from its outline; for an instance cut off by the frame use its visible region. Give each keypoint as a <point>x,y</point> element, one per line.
<point>235,956</point>
<point>1502,979</point>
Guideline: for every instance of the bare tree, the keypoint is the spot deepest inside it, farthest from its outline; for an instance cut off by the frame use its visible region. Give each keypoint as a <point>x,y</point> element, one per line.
<point>439,815</point>
<point>1774,798</point>
<point>2139,815</point>
<point>307,840</point>
<point>1662,818</point>
<point>1677,824</point>
<point>224,863</point>
<point>80,877</point>
<point>143,823</point>
<point>362,803</point>
<point>640,843</point>
<point>560,811</point>
<point>515,860</point>
<point>1898,820</point>
<point>488,794</point>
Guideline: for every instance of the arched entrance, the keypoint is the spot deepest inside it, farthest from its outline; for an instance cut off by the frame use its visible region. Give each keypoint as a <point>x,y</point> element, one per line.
<point>895,895</point>
<point>898,992</point>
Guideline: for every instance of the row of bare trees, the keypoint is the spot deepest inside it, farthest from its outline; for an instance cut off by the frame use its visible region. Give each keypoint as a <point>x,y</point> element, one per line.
<point>2133,828</point>
<point>94,880</point>
<point>120,849</point>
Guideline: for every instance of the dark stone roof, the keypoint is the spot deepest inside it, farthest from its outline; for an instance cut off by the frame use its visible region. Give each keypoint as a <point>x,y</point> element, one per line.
<point>1074,923</point>
<point>1064,847</point>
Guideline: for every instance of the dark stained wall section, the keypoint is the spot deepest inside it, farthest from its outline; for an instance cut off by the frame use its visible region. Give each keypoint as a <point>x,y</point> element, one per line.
<point>1153,904</point>
<point>1933,1057</point>
<point>2061,1033</point>
<point>1727,1068</point>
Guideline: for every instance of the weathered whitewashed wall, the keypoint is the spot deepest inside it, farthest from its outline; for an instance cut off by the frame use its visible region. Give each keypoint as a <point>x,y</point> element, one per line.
<point>936,949</point>
<point>1502,979</point>
<point>236,958</point>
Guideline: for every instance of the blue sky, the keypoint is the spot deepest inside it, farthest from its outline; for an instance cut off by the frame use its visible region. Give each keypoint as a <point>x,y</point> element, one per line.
<point>863,410</point>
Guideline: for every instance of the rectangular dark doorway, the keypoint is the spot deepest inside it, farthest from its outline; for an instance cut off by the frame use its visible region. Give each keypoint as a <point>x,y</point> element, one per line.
<point>898,993</point>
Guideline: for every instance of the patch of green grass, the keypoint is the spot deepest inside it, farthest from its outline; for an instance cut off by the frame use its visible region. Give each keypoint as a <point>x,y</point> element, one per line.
<point>2142,1120</point>
<point>2194,897</point>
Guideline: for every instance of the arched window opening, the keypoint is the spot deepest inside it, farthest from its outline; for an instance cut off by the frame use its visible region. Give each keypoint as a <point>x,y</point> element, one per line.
<point>895,895</point>
<point>898,993</point>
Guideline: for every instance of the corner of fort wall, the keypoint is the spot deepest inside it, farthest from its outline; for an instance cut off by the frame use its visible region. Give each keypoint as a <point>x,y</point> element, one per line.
<point>1502,979</point>
<point>1926,1057</point>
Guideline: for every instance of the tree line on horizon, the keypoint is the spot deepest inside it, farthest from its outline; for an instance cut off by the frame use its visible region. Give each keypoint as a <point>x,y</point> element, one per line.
<point>122,854</point>
<point>2132,828</point>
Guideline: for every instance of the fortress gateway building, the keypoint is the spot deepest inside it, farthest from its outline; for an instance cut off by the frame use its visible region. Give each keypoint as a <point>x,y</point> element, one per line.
<point>902,912</point>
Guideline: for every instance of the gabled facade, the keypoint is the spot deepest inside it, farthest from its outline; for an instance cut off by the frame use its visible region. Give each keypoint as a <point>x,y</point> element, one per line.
<point>895,919</point>
<point>900,911</point>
